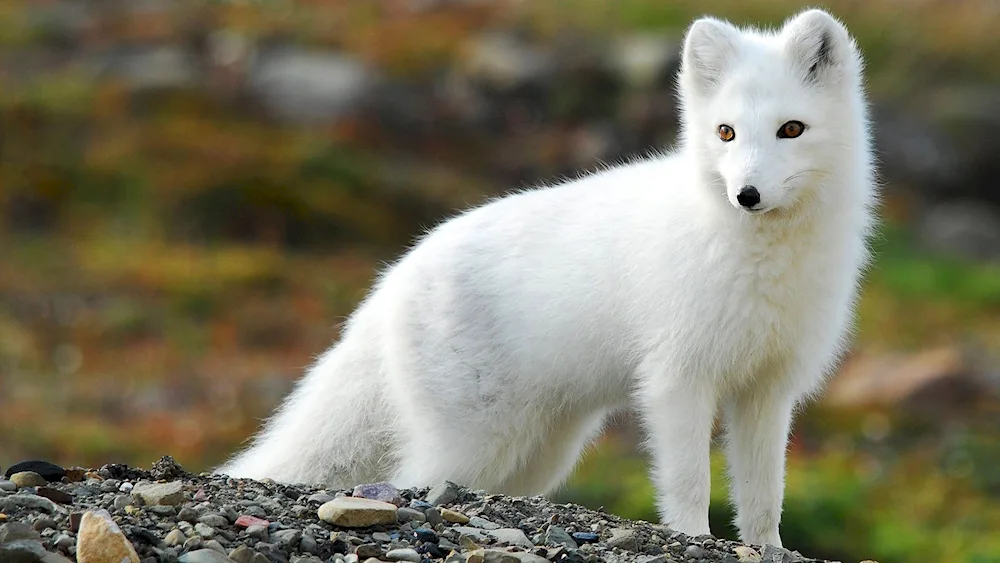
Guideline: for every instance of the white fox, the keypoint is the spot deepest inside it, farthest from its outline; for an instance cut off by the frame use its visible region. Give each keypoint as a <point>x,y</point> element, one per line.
<point>719,277</point>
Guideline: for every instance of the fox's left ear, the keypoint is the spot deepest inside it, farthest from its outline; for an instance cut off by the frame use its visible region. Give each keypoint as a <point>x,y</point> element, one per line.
<point>819,45</point>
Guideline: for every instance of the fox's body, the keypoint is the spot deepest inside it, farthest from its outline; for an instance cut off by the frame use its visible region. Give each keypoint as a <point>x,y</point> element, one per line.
<point>494,350</point>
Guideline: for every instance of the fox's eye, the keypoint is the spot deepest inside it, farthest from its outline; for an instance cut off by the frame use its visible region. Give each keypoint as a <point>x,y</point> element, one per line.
<point>726,133</point>
<point>791,130</point>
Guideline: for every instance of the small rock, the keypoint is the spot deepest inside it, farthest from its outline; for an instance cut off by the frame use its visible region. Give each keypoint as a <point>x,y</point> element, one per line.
<point>101,540</point>
<point>558,536</point>
<point>747,554</point>
<point>204,556</point>
<point>433,516</point>
<point>175,538</point>
<point>694,552</point>
<point>368,551</point>
<point>381,537</point>
<point>205,531</point>
<point>352,512</point>
<point>453,516</point>
<point>55,495</point>
<point>245,521</point>
<point>242,554</point>
<point>14,531</point>
<point>187,514</point>
<point>405,554</point>
<point>22,551</point>
<point>477,522</point>
<point>171,493</point>
<point>44,523</point>
<point>28,479</point>
<point>773,554</point>
<point>258,532</point>
<point>50,471</point>
<point>586,537</point>
<point>445,493</point>
<point>213,519</point>
<point>384,492</point>
<point>511,536</point>
<point>63,541</point>
<point>163,510</point>
<point>407,514</point>
<point>425,535</point>
<point>320,498</point>
<point>308,544</point>
<point>8,486</point>
<point>215,545</point>
<point>12,502</point>
<point>287,539</point>
<point>626,539</point>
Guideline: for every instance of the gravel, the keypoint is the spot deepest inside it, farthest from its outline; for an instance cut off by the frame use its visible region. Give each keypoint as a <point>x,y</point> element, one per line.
<point>168,515</point>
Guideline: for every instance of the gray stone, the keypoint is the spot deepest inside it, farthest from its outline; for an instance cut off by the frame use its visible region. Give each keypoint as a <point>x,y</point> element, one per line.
<point>405,554</point>
<point>445,493</point>
<point>12,502</point>
<point>747,554</point>
<point>14,531</point>
<point>477,522</point>
<point>558,536</point>
<point>511,536</point>
<point>6,485</point>
<point>407,514</point>
<point>187,514</point>
<point>162,510</point>
<point>287,539</point>
<point>626,539</point>
<point>204,530</point>
<point>694,552</point>
<point>22,551</point>
<point>321,498</point>
<point>204,556</point>
<point>171,493</point>
<point>213,519</point>
<point>258,532</point>
<point>308,544</point>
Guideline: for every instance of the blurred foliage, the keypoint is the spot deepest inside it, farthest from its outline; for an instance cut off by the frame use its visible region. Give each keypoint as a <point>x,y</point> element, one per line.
<point>171,259</point>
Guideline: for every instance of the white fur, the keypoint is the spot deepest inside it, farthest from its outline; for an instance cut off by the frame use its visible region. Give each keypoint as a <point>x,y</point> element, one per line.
<point>494,350</point>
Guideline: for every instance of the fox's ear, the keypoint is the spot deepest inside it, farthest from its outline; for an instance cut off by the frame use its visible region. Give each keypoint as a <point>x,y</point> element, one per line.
<point>819,45</point>
<point>710,46</point>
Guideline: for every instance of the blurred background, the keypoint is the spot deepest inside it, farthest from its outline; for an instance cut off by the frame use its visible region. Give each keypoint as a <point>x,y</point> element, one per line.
<point>194,194</point>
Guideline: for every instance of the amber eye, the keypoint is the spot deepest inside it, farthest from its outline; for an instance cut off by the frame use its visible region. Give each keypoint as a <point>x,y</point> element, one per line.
<point>791,130</point>
<point>726,133</point>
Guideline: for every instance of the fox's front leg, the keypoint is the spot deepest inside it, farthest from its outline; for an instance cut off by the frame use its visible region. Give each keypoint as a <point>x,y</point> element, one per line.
<point>679,420</point>
<point>757,426</point>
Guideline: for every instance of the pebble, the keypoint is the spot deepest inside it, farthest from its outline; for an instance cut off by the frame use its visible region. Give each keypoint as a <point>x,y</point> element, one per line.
<point>287,539</point>
<point>28,479</point>
<point>625,539</point>
<point>368,551</point>
<point>204,530</point>
<point>407,514</point>
<point>384,492</point>
<point>586,537</point>
<point>404,554</point>
<point>352,512</point>
<point>55,495</point>
<point>559,536</point>
<point>171,493</point>
<point>44,523</point>
<point>204,556</point>
<point>27,551</point>
<point>512,536</point>
<point>101,540</point>
<point>187,514</point>
<point>213,519</point>
<point>694,551</point>
<point>245,521</point>
<point>13,502</point>
<point>49,471</point>
<point>445,493</point>
<point>175,538</point>
<point>452,516</point>
<point>477,522</point>
<point>242,554</point>
<point>8,486</point>
<point>320,498</point>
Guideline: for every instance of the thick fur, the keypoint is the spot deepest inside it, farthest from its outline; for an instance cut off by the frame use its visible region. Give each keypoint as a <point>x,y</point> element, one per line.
<point>493,351</point>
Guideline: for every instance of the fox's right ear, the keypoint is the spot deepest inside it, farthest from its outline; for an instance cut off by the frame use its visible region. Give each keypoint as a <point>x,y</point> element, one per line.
<point>710,46</point>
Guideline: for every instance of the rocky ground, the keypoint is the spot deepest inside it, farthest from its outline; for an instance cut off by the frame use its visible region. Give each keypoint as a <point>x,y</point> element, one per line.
<point>119,513</point>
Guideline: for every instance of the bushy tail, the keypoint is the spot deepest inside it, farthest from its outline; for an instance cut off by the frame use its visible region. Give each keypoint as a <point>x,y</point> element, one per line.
<point>334,429</point>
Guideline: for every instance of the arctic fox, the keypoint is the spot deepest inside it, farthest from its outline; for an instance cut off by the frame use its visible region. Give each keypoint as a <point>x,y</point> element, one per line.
<point>720,277</point>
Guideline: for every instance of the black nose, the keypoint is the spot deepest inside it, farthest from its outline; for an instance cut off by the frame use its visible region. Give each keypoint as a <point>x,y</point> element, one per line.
<point>748,197</point>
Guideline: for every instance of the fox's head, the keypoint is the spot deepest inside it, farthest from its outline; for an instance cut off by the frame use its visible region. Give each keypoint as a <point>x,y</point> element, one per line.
<point>769,115</point>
